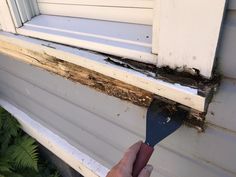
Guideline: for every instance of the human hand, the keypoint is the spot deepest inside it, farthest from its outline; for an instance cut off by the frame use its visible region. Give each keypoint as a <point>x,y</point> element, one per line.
<point>125,166</point>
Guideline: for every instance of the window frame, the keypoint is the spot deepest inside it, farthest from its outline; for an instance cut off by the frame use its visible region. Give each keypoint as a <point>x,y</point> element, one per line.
<point>24,48</point>
<point>196,54</point>
<point>117,44</point>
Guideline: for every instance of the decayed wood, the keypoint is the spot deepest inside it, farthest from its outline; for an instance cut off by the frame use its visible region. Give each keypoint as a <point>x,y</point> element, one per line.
<point>79,74</point>
<point>95,80</point>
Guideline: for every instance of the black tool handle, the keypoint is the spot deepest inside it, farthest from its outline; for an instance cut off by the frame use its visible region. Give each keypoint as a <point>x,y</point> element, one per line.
<point>143,156</point>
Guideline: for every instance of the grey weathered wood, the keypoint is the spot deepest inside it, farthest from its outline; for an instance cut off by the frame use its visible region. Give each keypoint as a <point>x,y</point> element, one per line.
<point>105,130</point>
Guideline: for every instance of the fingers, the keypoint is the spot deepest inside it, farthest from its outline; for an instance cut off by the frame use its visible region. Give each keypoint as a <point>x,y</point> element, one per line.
<point>130,156</point>
<point>146,171</point>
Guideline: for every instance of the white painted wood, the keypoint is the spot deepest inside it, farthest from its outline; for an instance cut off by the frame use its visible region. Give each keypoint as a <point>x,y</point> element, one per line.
<point>1,21</point>
<point>123,32</point>
<point>22,10</point>
<point>111,3</point>
<point>156,26</point>
<point>31,5</point>
<point>59,146</point>
<point>181,94</point>
<point>6,18</point>
<point>189,32</point>
<point>122,39</point>
<point>133,11</point>
<point>35,6</point>
<point>27,9</point>
<point>14,13</point>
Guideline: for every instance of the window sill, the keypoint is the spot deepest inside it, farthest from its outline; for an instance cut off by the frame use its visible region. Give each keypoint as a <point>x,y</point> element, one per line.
<point>125,40</point>
<point>96,62</point>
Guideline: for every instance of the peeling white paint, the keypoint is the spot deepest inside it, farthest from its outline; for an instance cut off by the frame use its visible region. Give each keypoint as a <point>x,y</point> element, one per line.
<point>96,62</point>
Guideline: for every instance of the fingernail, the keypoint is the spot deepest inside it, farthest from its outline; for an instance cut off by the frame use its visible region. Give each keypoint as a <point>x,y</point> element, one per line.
<point>149,168</point>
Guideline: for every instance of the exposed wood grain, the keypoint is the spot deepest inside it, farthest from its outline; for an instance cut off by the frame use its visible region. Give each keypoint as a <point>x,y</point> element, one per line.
<point>95,80</point>
<point>79,74</point>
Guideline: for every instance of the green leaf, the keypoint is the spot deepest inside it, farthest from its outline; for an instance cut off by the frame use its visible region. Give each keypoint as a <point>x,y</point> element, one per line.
<point>4,165</point>
<point>10,128</point>
<point>4,168</point>
<point>10,124</point>
<point>24,153</point>
<point>5,141</point>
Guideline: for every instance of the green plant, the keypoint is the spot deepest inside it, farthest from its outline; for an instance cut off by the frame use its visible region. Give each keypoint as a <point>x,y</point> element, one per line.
<point>18,152</point>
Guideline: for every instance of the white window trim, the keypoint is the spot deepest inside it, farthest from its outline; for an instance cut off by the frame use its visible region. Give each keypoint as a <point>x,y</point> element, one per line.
<point>164,36</point>
<point>6,18</point>
<point>156,27</point>
<point>189,33</point>
<point>126,48</point>
<point>182,94</point>
<point>28,9</point>
<point>184,34</point>
<point>14,13</point>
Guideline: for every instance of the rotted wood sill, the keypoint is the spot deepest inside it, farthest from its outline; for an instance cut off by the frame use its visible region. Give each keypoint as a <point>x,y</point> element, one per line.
<point>109,85</point>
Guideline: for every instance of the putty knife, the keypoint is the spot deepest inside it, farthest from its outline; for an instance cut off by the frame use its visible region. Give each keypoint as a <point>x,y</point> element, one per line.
<point>162,120</point>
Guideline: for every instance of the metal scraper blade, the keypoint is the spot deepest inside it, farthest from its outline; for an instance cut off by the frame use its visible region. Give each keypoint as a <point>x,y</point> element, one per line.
<point>162,120</point>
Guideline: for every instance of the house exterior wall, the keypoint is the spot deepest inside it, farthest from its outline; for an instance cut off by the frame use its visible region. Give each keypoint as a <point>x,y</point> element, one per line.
<point>103,126</point>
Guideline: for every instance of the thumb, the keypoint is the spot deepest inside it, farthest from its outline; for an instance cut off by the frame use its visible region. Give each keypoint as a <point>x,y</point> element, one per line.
<point>146,171</point>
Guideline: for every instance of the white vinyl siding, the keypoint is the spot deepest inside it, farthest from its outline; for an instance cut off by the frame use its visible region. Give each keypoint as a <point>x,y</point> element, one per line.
<point>103,127</point>
<point>132,11</point>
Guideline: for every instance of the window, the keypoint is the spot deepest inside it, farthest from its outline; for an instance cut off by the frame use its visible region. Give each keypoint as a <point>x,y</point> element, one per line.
<point>122,28</point>
<point>179,34</point>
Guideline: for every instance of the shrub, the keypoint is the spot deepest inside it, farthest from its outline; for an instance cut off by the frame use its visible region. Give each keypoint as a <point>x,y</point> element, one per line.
<point>19,152</point>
